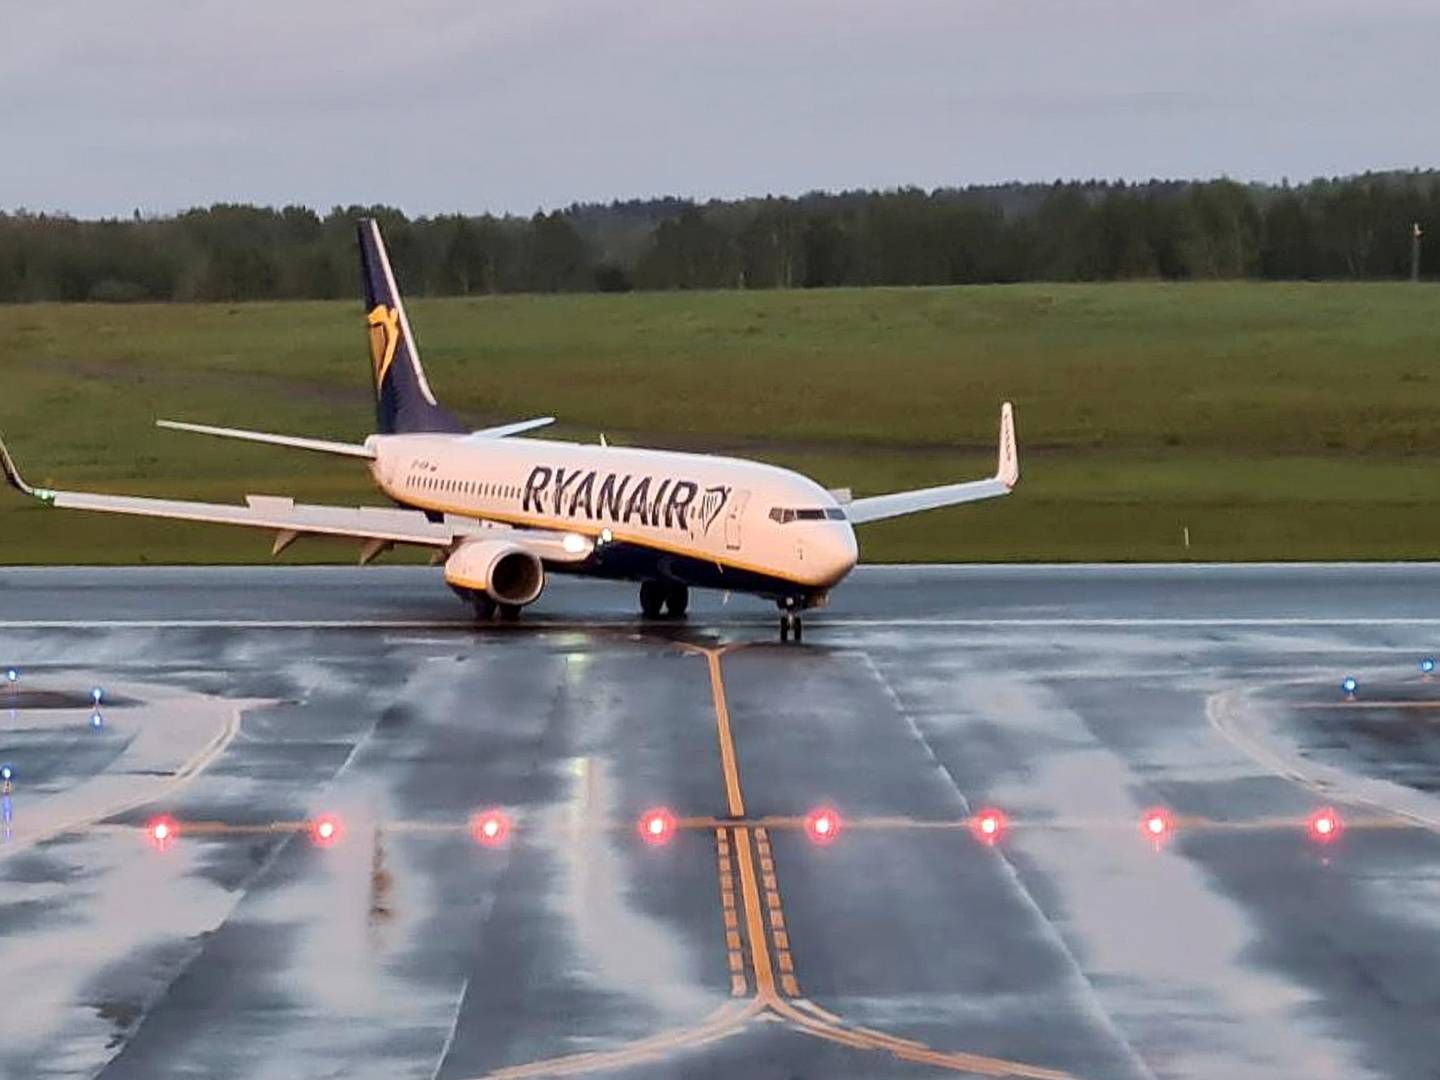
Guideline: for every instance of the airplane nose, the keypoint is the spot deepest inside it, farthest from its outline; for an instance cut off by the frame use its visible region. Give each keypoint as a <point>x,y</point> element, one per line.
<point>836,551</point>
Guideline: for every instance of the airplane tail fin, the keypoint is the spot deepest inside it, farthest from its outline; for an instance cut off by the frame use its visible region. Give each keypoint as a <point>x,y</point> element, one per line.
<point>404,402</point>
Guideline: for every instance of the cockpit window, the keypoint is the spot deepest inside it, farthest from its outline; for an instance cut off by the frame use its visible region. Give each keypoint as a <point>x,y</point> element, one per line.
<point>784,515</point>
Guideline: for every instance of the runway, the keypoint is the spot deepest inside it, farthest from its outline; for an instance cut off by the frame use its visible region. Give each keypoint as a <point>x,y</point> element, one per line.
<point>246,705</point>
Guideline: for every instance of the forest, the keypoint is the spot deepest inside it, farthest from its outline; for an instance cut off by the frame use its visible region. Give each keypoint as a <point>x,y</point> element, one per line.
<point>1352,228</point>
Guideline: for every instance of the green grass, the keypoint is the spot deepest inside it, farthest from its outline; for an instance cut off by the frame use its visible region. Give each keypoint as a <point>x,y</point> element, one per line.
<point>1275,421</point>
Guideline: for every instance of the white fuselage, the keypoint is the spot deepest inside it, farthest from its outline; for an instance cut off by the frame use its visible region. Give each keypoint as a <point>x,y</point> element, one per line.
<point>727,513</point>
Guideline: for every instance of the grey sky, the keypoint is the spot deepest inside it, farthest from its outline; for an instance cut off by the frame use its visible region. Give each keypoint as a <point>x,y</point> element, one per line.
<point>474,105</point>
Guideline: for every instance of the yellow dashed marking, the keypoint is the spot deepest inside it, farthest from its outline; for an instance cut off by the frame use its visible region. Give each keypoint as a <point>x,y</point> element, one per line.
<point>734,954</point>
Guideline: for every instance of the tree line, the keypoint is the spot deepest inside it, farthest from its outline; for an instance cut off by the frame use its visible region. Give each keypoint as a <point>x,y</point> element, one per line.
<point>1349,228</point>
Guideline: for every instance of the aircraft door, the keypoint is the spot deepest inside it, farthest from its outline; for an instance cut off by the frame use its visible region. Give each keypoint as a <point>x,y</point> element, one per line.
<point>732,520</point>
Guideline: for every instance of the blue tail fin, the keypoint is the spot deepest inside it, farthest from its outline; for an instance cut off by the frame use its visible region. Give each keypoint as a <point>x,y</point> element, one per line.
<point>403,400</point>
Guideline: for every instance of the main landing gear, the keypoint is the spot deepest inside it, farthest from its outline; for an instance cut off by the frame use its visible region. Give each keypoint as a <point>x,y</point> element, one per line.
<point>790,625</point>
<point>662,597</point>
<point>488,610</point>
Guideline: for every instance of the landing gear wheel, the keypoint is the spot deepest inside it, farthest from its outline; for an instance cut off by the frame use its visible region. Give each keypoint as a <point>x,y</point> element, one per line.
<point>790,626</point>
<point>652,598</point>
<point>483,605</point>
<point>677,600</point>
<point>509,612</point>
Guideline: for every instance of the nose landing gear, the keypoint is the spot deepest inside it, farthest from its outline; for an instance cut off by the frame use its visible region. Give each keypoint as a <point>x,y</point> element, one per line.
<point>790,625</point>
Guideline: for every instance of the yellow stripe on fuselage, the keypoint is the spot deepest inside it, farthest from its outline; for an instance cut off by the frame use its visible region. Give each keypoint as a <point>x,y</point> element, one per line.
<point>617,536</point>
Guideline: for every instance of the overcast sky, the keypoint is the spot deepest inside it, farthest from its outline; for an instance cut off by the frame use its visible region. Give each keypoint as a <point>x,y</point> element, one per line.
<point>476,105</point>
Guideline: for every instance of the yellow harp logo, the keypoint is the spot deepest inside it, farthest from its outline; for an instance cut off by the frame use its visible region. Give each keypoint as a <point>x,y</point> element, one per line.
<point>384,339</point>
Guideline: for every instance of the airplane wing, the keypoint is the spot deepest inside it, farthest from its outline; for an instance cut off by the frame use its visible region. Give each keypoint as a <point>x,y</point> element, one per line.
<point>1007,475</point>
<point>377,527</point>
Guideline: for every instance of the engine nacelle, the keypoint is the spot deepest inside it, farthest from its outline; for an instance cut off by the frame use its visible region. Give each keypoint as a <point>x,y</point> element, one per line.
<point>506,572</point>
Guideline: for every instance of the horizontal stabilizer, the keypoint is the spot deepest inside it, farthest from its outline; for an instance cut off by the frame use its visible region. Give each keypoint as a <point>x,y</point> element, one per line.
<point>502,431</point>
<point>1007,475</point>
<point>295,442</point>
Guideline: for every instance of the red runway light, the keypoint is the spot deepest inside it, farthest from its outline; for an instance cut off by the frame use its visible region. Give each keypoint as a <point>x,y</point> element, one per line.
<point>1326,825</point>
<point>1157,825</point>
<point>490,828</point>
<point>657,826</point>
<point>326,830</point>
<point>988,826</point>
<point>162,832</point>
<point>822,825</point>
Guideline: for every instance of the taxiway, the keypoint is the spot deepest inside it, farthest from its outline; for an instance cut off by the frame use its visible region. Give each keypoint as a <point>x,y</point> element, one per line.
<point>243,704</point>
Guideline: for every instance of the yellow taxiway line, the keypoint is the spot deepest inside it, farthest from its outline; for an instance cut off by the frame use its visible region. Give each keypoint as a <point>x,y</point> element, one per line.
<point>728,764</point>
<point>746,845</point>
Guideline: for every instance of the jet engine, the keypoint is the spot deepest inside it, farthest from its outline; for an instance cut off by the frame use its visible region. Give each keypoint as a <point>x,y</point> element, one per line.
<point>507,573</point>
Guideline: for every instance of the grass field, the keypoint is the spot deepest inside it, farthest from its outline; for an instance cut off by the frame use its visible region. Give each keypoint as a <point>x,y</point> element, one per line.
<point>1274,421</point>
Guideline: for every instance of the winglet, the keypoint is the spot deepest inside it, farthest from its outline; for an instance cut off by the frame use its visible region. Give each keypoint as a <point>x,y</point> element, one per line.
<point>1007,470</point>
<point>12,474</point>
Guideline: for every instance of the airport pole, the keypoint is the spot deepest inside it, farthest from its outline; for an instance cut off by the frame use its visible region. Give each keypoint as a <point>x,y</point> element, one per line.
<point>1415,234</point>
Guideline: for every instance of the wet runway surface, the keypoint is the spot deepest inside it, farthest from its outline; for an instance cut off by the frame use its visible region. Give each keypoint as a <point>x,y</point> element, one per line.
<point>244,707</point>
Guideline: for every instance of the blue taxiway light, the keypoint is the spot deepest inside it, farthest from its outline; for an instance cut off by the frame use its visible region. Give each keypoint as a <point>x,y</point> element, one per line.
<point>11,674</point>
<point>1349,685</point>
<point>7,772</point>
<point>97,694</point>
<point>96,720</point>
<point>1428,665</point>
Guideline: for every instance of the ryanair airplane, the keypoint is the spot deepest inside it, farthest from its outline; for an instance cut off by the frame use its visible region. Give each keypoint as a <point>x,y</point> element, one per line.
<point>501,513</point>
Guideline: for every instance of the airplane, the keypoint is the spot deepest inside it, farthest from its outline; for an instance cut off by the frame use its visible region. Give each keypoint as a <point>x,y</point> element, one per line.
<point>502,513</point>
